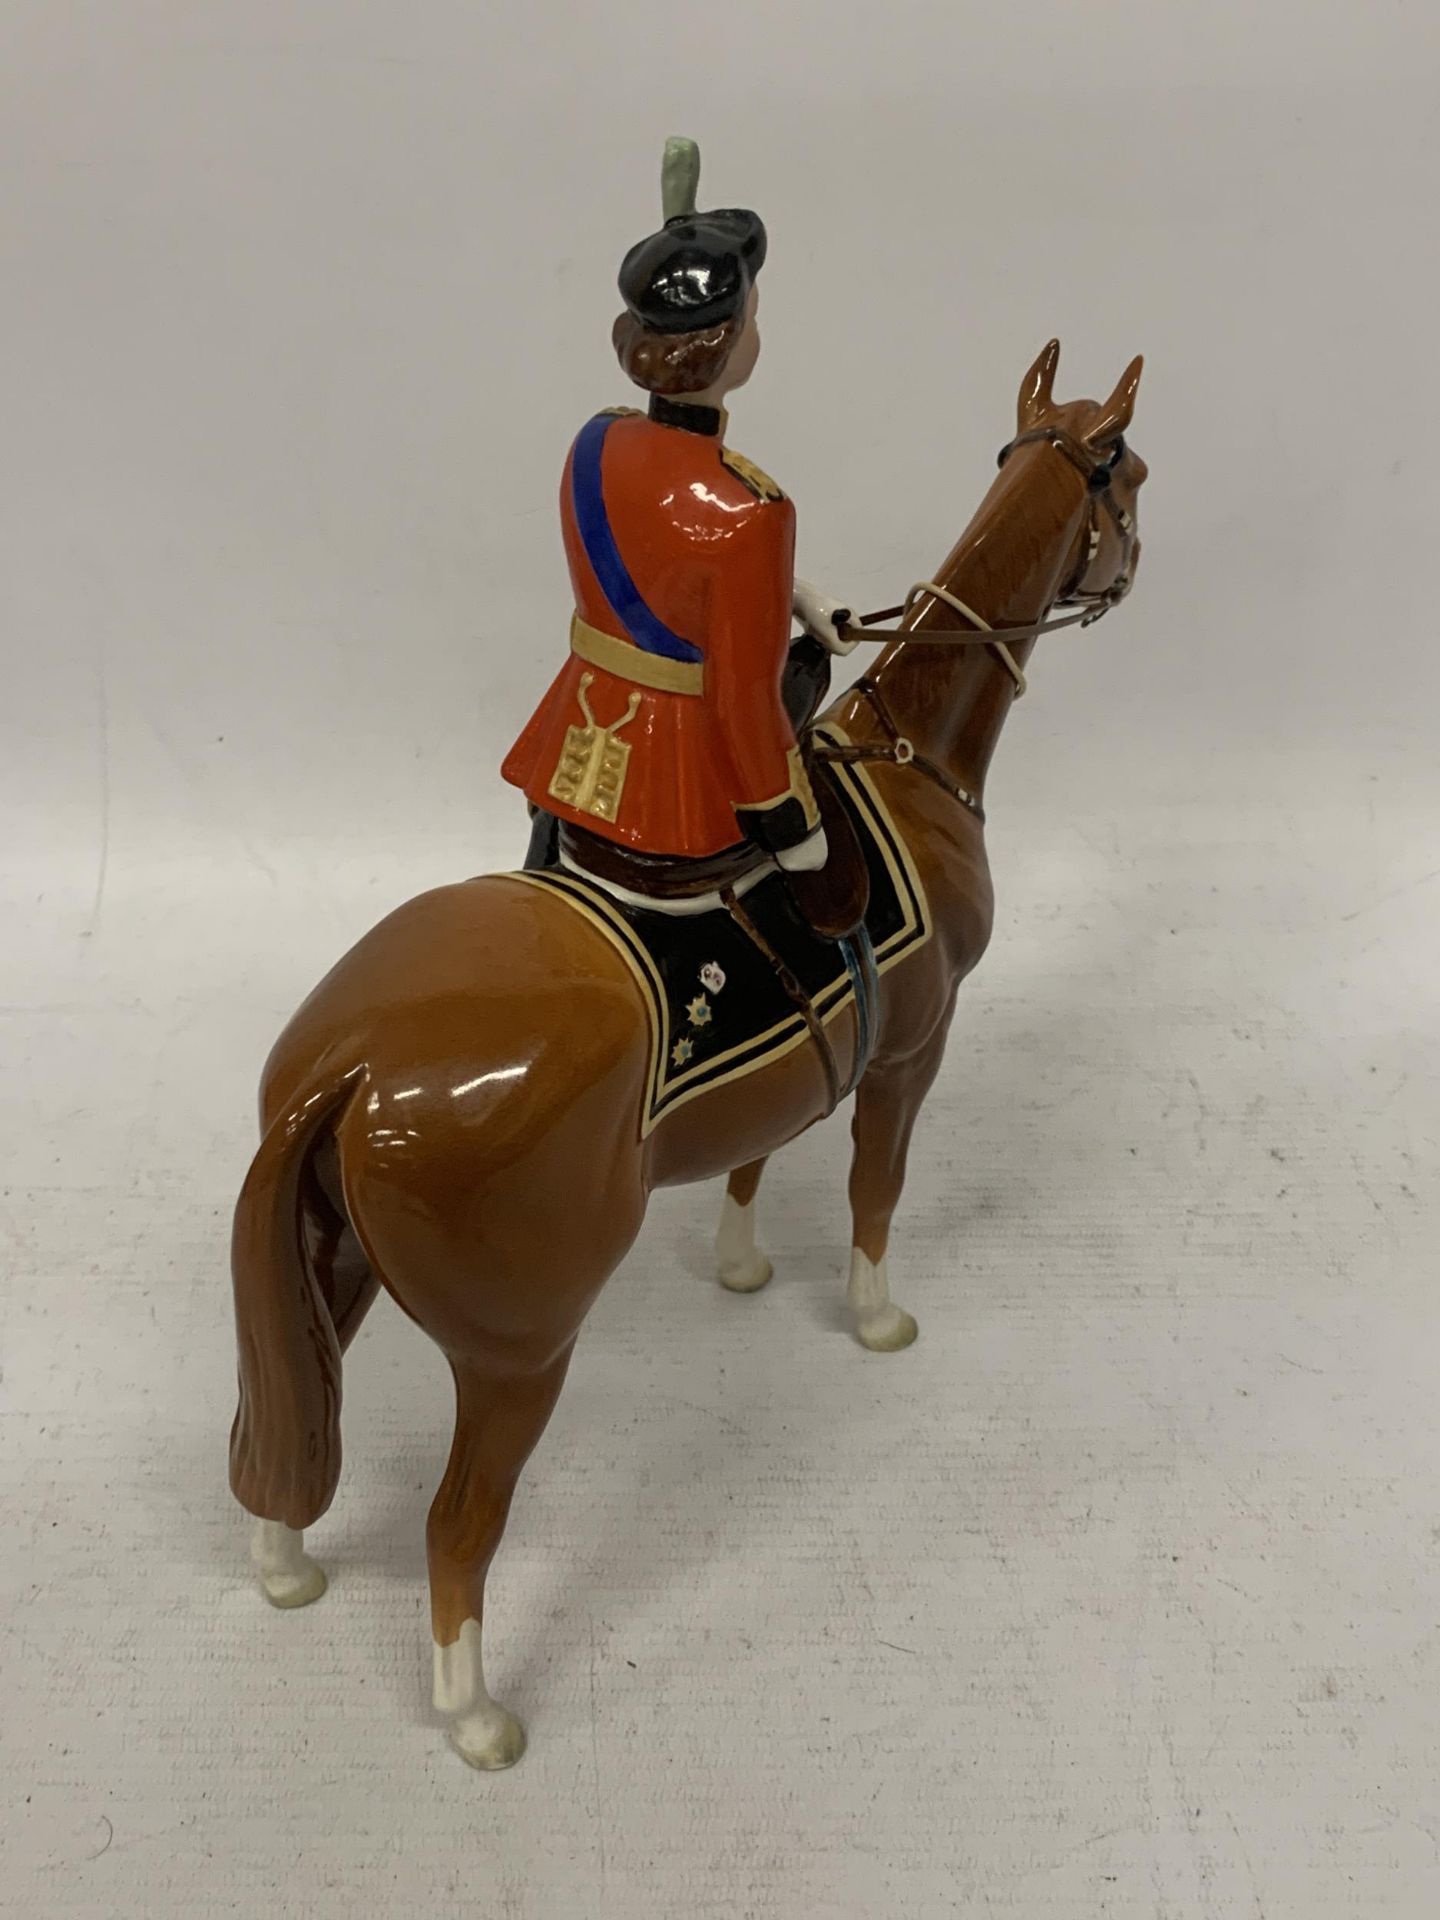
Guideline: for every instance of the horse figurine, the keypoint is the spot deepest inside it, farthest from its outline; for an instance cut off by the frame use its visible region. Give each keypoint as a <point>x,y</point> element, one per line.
<point>486,1049</point>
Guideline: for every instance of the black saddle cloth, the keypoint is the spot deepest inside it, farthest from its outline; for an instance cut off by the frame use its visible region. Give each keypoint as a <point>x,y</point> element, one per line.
<point>719,1007</point>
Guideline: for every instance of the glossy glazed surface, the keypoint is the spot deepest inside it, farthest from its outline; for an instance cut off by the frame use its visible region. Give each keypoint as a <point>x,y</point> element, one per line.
<point>454,1112</point>
<point>709,549</point>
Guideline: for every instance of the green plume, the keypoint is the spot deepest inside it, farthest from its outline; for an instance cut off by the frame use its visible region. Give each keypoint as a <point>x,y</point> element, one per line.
<point>679,176</point>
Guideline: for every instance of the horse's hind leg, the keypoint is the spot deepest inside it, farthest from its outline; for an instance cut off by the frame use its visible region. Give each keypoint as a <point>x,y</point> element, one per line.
<point>500,1413</point>
<point>289,1577</point>
<point>743,1267</point>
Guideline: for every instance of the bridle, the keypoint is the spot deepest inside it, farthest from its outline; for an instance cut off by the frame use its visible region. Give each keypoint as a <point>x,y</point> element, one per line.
<point>1099,475</point>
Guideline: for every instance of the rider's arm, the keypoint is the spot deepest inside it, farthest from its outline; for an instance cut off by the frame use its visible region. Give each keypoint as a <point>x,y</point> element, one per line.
<point>749,639</point>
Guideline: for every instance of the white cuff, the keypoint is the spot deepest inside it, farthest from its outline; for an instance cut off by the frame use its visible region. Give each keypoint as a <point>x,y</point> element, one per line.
<point>808,857</point>
<point>816,612</point>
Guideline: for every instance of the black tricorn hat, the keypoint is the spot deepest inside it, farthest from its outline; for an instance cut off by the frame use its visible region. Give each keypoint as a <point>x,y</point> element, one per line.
<point>697,271</point>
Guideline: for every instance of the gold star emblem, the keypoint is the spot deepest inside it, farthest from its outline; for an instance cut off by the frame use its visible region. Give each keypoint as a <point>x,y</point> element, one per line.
<point>699,1011</point>
<point>681,1052</point>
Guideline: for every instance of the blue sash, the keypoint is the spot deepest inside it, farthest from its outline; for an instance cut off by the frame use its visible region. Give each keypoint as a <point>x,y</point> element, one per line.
<point>646,629</point>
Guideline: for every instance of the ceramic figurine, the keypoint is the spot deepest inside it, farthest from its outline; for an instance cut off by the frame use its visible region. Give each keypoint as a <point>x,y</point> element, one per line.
<point>666,731</point>
<point>733,915</point>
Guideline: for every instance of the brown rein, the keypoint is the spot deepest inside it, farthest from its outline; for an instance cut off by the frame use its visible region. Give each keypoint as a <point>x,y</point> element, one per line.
<point>1097,475</point>
<point>900,750</point>
<point>983,636</point>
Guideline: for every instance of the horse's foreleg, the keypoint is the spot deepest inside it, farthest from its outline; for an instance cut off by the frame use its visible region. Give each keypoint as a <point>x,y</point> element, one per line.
<point>887,1103</point>
<point>743,1267</point>
<point>500,1413</point>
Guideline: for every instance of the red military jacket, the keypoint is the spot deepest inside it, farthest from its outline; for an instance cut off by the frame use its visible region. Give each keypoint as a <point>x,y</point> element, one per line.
<point>665,728</point>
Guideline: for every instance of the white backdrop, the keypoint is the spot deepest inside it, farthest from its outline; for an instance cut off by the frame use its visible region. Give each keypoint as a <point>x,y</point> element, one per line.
<point>1116,1594</point>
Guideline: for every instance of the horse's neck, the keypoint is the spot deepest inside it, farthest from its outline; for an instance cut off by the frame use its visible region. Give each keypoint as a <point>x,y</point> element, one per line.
<point>1009,565</point>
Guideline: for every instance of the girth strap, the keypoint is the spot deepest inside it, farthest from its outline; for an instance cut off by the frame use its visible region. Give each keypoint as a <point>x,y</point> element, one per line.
<point>859,957</point>
<point>797,993</point>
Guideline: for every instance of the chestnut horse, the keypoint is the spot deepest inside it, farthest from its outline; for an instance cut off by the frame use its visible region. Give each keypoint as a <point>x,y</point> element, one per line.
<point>454,1113</point>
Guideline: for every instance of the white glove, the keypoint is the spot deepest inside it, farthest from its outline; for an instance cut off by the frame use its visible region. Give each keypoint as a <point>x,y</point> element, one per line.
<point>808,857</point>
<point>817,613</point>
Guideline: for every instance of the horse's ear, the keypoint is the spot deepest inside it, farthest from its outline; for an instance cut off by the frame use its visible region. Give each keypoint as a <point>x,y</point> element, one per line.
<point>1035,388</point>
<point>1116,414</point>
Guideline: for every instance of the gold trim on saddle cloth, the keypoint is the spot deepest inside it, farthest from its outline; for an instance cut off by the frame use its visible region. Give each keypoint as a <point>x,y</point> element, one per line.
<point>629,662</point>
<point>668,1088</point>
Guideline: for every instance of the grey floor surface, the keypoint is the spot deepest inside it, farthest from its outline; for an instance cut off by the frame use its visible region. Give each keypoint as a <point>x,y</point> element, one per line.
<point>1115,1595</point>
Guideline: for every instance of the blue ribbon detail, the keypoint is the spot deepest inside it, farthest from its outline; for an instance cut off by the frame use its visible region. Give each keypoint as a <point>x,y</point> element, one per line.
<point>645,628</point>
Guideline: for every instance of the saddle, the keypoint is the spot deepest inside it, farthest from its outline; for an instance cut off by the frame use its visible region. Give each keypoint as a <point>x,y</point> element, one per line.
<point>732,970</point>
<point>734,974</point>
<point>795,948</point>
<point>833,899</point>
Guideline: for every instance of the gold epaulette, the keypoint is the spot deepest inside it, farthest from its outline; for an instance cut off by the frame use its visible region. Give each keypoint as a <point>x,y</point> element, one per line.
<point>746,471</point>
<point>620,413</point>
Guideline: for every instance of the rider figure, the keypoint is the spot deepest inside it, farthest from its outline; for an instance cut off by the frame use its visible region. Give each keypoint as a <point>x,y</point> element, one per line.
<point>665,730</point>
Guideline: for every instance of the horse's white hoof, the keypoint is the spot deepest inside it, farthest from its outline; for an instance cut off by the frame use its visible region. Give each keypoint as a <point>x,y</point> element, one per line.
<point>887,1331</point>
<point>481,1731</point>
<point>490,1738</point>
<point>288,1575</point>
<point>743,1267</point>
<point>748,1276</point>
<point>295,1588</point>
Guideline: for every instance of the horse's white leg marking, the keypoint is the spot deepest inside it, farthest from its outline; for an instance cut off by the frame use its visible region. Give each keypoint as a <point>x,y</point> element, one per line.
<point>287,1573</point>
<point>481,1730</point>
<point>879,1323</point>
<point>743,1267</point>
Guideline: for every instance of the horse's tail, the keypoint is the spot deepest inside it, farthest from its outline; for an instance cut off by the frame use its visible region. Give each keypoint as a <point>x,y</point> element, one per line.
<point>285,1443</point>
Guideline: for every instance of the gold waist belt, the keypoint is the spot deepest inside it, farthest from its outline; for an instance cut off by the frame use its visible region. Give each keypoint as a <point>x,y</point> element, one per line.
<point>629,662</point>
